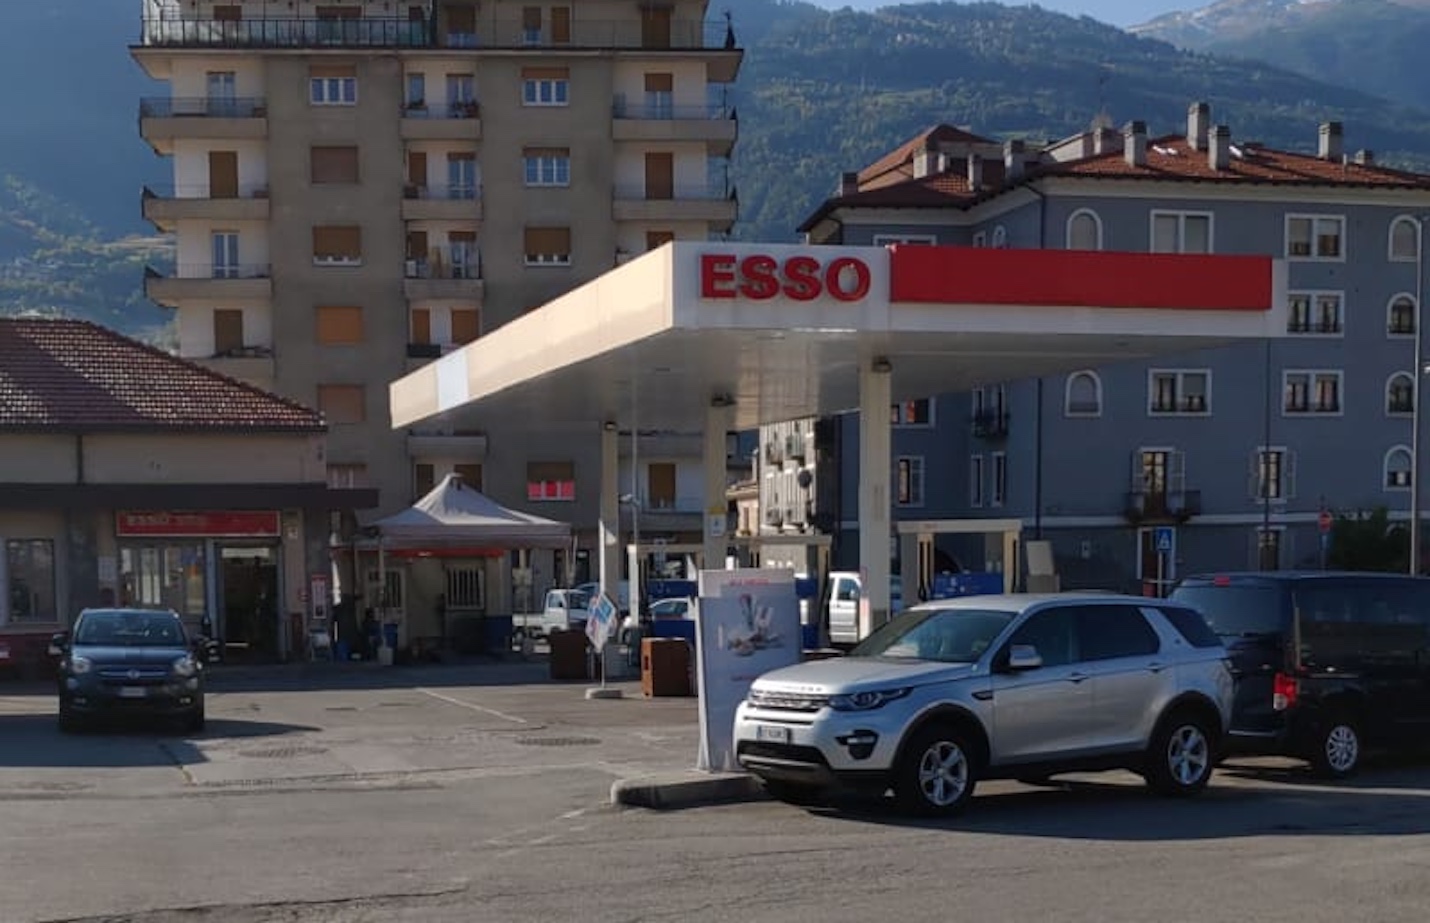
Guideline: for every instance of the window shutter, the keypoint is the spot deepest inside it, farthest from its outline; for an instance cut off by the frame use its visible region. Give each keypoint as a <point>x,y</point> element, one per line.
<point>470,473</point>
<point>339,326</point>
<point>530,18</point>
<point>546,73</point>
<point>335,164</point>
<point>660,83</point>
<point>560,25</point>
<point>461,19</point>
<point>654,239</point>
<point>548,241</point>
<point>323,71</point>
<point>552,152</point>
<point>421,326</point>
<point>339,12</point>
<point>228,13</point>
<point>337,242</point>
<point>424,478</point>
<point>466,325</point>
<point>228,331</point>
<point>342,403</point>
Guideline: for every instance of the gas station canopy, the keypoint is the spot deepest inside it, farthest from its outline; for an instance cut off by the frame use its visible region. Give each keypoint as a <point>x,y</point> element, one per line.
<point>778,332</point>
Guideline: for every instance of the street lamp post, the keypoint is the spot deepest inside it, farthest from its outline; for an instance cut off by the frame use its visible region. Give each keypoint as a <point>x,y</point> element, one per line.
<point>1418,375</point>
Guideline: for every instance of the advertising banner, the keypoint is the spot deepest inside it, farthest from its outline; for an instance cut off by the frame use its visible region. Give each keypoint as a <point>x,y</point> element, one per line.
<point>600,621</point>
<point>747,624</point>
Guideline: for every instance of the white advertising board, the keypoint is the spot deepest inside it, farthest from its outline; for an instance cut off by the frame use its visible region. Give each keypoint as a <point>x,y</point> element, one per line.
<point>747,624</point>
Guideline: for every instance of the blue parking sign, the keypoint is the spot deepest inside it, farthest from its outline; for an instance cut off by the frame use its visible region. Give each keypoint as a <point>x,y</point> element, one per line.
<point>1164,538</point>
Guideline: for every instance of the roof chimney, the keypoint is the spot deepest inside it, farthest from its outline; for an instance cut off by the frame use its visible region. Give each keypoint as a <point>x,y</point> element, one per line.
<point>1199,119</point>
<point>1331,134</point>
<point>1365,157</point>
<point>926,161</point>
<point>1103,140</point>
<point>975,171</point>
<point>848,183</point>
<point>1013,159</point>
<point>1134,144</point>
<point>1219,151</point>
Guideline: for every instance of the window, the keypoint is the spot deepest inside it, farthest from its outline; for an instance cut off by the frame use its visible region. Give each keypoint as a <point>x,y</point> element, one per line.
<point>228,331</point>
<point>1000,238</point>
<point>462,175</point>
<point>1050,633</point>
<point>1181,232</point>
<point>30,565</point>
<point>1313,391</point>
<point>421,326</point>
<point>347,476</point>
<point>659,96</point>
<point>1273,474</point>
<point>1179,392</point>
<point>1400,394</point>
<point>657,239</point>
<point>531,25</point>
<point>548,246</point>
<point>547,166</point>
<point>1315,313</point>
<point>912,413</point>
<point>980,238</point>
<point>416,91</point>
<point>466,325</point>
<point>462,255</point>
<point>332,85</point>
<point>470,473</point>
<point>1268,548</point>
<point>1190,625</point>
<point>1082,396</point>
<point>461,96</point>
<point>424,479</point>
<point>1398,468</point>
<point>224,246</point>
<point>550,481</point>
<point>1401,315</point>
<point>466,588</point>
<point>1315,237</point>
<point>337,245</point>
<point>1404,240</point>
<point>977,475</point>
<point>545,86</point>
<point>661,485</point>
<point>888,240</point>
<point>910,485</point>
<point>343,403</point>
<point>334,164</point>
<point>1112,632</point>
<point>339,326</point>
<point>1084,231</point>
<point>1000,479</point>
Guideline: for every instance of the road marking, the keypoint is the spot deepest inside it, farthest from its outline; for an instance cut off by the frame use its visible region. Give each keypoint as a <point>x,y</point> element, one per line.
<point>573,814</point>
<point>481,708</point>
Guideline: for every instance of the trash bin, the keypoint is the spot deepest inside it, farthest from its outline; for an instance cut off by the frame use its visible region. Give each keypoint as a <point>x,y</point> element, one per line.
<point>496,633</point>
<point>665,667</point>
<point>389,634</point>
<point>568,655</point>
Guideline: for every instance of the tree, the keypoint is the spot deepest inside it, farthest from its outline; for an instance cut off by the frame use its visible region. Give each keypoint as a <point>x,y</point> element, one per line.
<point>1369,541</point>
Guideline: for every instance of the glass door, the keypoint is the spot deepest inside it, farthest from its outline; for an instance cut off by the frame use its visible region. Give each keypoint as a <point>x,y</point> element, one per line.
<point>225,255</point>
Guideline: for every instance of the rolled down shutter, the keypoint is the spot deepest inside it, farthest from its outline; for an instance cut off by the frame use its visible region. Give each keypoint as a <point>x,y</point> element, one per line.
<point>546,73</point>
<point>337,242</point>
<point>548,241</point>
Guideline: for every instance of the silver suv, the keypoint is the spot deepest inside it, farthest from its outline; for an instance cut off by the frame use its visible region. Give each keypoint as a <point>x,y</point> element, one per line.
<point>1017,686</point>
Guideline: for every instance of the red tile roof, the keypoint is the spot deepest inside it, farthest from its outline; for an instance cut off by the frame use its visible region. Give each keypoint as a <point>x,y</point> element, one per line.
<point>897,165</point>
<point>76,375</point>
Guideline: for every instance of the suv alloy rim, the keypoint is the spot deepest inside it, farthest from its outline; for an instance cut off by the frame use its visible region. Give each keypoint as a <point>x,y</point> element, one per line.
<point>1188,755</point>
<point>943,773</point>
<point>1342,748</point>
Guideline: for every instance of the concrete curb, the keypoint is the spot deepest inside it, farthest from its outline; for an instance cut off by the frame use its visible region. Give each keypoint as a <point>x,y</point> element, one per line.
<point>689,789</point>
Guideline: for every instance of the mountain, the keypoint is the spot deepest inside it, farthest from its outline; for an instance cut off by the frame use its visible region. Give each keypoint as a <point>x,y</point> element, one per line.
<point>821,92</point>
<point>1371,45</point>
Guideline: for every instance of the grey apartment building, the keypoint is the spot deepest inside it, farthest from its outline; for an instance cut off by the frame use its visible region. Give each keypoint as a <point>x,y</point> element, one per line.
<point>361,186</point>
<point>1236,450</point>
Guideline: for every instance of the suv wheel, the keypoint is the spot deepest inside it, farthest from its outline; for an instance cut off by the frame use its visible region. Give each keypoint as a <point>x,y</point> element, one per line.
<point>936,775</point>
<point>1180,759</point>
<point>1338,748</point>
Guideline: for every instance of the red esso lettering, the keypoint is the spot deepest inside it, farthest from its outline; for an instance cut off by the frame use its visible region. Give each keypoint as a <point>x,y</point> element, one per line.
<point>798,278</point>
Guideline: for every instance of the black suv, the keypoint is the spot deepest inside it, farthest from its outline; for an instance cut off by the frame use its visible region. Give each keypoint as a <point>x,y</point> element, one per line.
<point>134,661</point>
<point>1326,663</point>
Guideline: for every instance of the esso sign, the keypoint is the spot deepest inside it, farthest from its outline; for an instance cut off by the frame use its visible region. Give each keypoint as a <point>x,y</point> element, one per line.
<point>799,278</point>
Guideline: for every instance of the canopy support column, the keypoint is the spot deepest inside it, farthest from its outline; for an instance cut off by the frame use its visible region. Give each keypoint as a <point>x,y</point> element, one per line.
<point>875,446</point>
<point>609,528</point>
<point>715,541</point>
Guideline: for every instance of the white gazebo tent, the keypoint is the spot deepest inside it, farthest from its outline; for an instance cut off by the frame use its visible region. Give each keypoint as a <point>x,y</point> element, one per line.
<point>455,520</point>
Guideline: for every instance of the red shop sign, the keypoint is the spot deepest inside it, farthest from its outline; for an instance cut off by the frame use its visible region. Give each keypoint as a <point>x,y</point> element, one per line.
<point>197,524</point>
<point>799,278</point>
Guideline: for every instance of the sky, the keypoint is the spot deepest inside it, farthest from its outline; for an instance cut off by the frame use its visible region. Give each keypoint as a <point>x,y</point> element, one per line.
<point>1121,13</point>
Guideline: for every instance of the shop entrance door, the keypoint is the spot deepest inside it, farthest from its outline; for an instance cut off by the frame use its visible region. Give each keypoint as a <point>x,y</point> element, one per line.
<point>249,603</point>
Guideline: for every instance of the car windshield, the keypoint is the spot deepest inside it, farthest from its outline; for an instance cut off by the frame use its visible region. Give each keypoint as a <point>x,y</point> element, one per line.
<point>129,629</point>
<point>1240,610</point>
<point>576,599</point>
<point>946,635</point>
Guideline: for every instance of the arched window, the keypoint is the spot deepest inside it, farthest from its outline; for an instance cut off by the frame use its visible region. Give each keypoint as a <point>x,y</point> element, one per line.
<point>1083,396</point>
<point>1400,316</point>
<point>1404,240</point>
<point>1084,230</point>
<point>1000,237</point>
<point>1400,393</point>
<point>1397,468</point>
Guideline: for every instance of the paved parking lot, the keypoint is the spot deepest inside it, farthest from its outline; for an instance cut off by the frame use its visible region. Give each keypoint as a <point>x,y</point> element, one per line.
<point>480,793</point>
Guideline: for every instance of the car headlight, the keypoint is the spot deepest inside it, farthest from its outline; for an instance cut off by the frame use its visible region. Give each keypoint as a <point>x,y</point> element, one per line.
<point>864,701</point>
<point>80,665</point>
<point>185,666</point>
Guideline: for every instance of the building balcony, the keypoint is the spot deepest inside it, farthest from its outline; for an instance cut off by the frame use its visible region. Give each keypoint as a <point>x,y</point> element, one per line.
<point>177,31</point>
<point>164,119</point>
<point>441,122</point>
<point>163,207</point>
<point>441,203</point>
<point>990,424</point>
<point>252,364</point>
<point>208,282</point>
<point>455,444</point>
<point>1162,507</point>
<point>717,126</point>
<point>429,281</point>
<point>718,207</point>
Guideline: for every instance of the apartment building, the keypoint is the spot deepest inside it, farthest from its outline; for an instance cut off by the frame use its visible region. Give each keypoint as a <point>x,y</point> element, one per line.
<point>1237,451</point>
<point>361,186</point>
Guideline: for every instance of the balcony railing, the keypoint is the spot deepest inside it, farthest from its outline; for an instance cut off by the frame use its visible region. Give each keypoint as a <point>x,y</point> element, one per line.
<point>445,268</point>
<point>462,110</point>
<point>450,192</point>
<point>211,271</point>
<point>1163,506</point>
<point>165,107</point>
<point>400,32</point>
<point>990,423</point>
<point>708,193</point>
<point>625,110</point>
<point>204,191</point>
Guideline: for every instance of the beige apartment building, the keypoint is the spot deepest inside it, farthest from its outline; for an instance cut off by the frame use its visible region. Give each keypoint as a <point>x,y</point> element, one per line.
<point>361,186</point>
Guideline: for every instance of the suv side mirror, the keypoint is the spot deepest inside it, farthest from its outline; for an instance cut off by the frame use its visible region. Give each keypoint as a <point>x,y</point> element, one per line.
<point>1024,657</point>
<point>58,643</point>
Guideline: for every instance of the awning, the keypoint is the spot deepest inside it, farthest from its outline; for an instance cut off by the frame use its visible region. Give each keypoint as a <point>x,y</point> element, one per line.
<point>454,515</point>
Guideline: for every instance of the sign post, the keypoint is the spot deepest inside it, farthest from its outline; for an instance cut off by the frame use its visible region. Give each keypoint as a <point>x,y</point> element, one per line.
<point>1165,538</point>
<point>600,620</point>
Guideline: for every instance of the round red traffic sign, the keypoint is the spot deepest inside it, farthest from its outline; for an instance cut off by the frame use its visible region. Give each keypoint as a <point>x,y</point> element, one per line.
<point>1324,521</point>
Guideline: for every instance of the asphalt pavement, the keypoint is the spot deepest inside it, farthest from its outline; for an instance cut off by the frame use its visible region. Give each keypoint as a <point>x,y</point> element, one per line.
<point>482,793</point>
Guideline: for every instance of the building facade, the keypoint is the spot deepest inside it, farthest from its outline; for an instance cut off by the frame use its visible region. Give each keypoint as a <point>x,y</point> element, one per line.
<point>1238,450</point>
<point>360,187</point>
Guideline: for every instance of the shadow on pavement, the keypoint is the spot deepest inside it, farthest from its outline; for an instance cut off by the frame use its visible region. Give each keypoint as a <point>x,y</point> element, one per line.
<point>34,741</point>
<point>1402,770</point>
<point>1077,810</point>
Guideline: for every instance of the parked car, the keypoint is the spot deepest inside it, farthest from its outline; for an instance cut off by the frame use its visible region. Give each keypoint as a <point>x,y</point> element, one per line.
<point>561,610</point>
<point>129,661</point>
<point>1006,686</point>
<point>842,593</point>
<point>1326,664</point>
<point>677,608</point>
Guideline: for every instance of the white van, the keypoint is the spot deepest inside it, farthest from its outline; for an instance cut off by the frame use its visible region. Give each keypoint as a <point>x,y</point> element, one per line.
<point>843,591</point>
